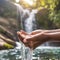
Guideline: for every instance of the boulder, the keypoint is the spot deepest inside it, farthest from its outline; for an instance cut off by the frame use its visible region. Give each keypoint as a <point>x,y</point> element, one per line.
<point>6,43</point>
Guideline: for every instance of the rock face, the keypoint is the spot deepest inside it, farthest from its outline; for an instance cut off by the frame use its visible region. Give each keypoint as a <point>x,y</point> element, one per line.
<point>6,43</point>
<point>8,27</point>
<point>8,24</point>
<point>8,34</point>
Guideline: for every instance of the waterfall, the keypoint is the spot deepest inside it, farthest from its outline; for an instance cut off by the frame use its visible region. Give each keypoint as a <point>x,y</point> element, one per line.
<point>27,20</point>
<point>28,23</point>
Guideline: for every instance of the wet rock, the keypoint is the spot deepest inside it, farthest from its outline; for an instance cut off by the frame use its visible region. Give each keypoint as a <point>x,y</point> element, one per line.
<point>6,32</point>
<point>9,27</point>
<point>6,43</point>
<point>8,36</point>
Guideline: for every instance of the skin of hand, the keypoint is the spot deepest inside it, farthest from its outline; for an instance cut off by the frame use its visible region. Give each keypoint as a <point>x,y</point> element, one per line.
<point>32,40</point>
<point>36,32</point>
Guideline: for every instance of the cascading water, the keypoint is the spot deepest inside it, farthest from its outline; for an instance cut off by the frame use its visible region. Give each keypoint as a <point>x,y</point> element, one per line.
<point>27,18</point>
<point>30,22</point>
<point>29,26</point>
<point>19,17</point>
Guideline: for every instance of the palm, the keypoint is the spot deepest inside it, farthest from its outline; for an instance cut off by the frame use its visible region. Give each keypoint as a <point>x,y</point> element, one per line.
<point>32,40</point>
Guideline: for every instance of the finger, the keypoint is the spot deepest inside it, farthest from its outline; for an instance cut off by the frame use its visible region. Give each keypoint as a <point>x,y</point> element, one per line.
<point>36,32</point>
<point>31,43</point>
<point>33,32</point>
<point>37,43</point>
<point>23,32</point>
<point>19,36</point>
<point>22,35</point>
<point>27,43</point>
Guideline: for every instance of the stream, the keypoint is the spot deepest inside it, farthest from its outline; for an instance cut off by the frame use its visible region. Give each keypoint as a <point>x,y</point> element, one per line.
<point>45,53</point>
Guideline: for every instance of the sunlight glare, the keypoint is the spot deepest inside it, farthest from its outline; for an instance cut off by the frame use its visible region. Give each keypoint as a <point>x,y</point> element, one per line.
<point>17,1</point>
<point>30,2</point>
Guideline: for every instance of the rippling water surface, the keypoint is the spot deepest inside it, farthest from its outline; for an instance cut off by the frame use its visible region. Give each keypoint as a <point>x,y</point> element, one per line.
<point>45,53</point>
<point>11,54</point>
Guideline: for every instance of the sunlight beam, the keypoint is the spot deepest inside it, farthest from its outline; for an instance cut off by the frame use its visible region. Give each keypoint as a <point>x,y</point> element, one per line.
<point>30,2</point>
<point>17,1</point>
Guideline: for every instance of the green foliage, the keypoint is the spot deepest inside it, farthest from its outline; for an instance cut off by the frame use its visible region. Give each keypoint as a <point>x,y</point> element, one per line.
<point>9,46</point>
<point>53,15</point>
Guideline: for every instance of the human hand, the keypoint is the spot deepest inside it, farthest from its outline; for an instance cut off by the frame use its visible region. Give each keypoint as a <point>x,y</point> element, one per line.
<point>32,40</point>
